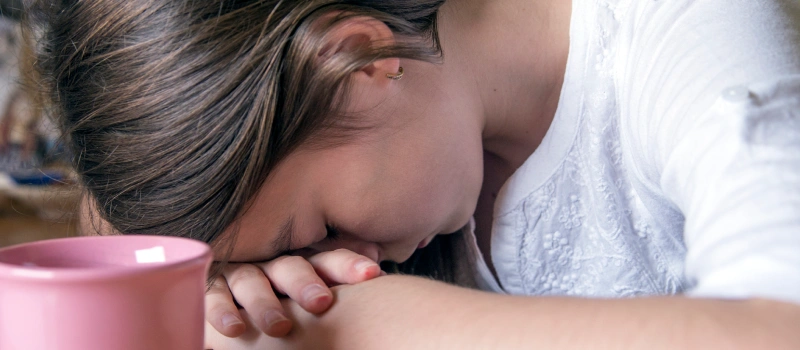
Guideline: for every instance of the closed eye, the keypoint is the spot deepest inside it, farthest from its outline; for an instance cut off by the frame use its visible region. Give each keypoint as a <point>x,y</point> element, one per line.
<point>333,233</point>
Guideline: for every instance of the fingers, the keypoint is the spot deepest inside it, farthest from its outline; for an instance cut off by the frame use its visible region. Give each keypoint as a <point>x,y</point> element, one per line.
<point>253,338</point>
<point>303,280</point>
<point>296,277</point>
<point>221,312</point>
<point>213,340</point>
<point>343,266</point>
<point>254,293</point>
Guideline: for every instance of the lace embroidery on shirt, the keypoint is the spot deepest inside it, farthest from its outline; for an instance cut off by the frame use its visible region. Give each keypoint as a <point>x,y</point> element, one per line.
<point>585,232</point>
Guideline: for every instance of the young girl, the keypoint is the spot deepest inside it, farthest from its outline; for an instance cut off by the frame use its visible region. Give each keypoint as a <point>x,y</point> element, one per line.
<point>591,150</point>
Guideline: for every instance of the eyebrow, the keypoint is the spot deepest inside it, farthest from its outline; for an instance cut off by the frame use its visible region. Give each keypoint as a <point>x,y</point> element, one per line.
<point>283,243</point>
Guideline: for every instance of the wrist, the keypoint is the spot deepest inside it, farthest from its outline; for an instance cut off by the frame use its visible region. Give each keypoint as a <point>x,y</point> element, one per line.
<point>393,312</point>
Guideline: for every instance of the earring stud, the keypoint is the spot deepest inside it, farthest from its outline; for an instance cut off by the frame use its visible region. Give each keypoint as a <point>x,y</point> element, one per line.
<point>397,76</point>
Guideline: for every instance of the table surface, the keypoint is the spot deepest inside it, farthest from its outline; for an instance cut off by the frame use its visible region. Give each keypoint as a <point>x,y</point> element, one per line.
<point>23,226</point>
<point>33,213</point>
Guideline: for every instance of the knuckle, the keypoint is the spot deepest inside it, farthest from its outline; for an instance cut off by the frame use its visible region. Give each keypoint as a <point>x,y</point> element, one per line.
<point>290,260</point>
<point>214,291</point>
<point>344,251</point>
<point>244,274</point>
<point>219,284</point>
<point>215,309</point>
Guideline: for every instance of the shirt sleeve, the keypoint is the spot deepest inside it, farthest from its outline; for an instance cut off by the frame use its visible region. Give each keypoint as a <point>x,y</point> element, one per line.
<point>736,176</point>
<point>714,91</point>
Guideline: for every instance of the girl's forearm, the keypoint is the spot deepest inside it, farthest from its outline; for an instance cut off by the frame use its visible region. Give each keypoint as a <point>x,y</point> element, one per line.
<point>402,312</point>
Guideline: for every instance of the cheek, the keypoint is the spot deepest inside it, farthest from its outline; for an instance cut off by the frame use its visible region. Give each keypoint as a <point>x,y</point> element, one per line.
<point>420,200</point>
<point>446,184</point>
<point>391,210</point>
<point>420,186</point>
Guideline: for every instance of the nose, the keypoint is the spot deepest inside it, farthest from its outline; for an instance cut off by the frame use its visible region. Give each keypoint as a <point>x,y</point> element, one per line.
<point>370,250</point>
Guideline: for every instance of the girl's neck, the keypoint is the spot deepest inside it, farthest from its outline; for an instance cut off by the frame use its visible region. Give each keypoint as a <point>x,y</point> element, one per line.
<point>509,56</point>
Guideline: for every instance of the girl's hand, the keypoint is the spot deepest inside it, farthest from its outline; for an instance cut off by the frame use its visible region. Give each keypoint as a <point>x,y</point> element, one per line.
<point>304,280</point>
<point>253,338</point>
<point>360,316</point>
<point>310,332</point>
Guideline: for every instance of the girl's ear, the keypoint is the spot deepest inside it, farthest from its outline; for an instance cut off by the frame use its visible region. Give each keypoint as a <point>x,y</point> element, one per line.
<point>354,33</point>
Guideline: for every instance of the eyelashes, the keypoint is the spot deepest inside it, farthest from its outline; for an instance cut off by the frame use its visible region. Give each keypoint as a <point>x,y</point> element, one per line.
<point>333,233</point>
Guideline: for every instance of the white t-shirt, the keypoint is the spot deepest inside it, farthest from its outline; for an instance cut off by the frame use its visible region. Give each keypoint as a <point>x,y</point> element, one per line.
<point>673,162</point>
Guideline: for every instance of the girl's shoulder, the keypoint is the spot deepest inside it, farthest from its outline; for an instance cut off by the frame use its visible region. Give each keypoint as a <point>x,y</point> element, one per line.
<point>678,59</point>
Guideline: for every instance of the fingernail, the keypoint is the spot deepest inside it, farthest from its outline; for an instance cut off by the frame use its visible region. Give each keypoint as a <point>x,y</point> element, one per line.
<point>230,319</point>
<point>273,317</point>
<point>314,291</point>
<point>365,265</point>
<point>383,273</point>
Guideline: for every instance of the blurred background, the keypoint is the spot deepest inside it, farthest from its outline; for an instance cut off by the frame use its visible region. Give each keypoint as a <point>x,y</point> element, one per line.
<point>38,192</point>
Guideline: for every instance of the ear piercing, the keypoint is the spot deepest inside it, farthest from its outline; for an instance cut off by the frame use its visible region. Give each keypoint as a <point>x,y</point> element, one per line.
<point>397,76</point>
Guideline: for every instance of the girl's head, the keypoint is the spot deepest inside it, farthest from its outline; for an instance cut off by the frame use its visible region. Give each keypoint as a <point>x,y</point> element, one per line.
<point>252,120</point>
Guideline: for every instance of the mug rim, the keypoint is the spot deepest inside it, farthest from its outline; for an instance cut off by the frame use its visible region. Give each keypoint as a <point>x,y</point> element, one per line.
<point>201,253</point>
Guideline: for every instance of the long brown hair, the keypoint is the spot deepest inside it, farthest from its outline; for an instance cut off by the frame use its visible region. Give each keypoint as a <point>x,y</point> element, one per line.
<point>176,111</point>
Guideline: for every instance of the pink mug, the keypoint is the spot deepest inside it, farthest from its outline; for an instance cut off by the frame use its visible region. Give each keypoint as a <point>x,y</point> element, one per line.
<point>104,293</point>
